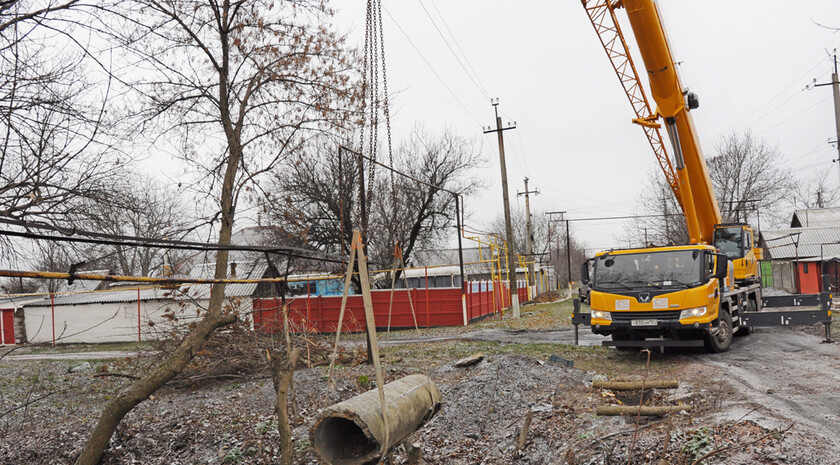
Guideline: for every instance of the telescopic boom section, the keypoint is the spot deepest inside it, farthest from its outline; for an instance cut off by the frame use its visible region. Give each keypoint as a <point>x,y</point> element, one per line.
<point>695,186</point>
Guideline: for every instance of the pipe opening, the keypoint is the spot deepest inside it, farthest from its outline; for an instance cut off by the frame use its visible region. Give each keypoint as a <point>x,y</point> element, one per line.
<point>342,441</point>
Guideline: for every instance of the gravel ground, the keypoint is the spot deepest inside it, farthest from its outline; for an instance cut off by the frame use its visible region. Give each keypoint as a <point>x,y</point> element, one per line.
<point>734,402</point>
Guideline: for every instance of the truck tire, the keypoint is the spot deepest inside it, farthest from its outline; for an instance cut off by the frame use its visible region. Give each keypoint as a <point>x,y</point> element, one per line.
<point>722,338</point>
<point>744,330</point>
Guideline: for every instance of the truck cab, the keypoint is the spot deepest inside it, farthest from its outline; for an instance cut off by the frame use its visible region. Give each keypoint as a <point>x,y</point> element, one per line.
<point>671,292</point>
<point>737,241</point>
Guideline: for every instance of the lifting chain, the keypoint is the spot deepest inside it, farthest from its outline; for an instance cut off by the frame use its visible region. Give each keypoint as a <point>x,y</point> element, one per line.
<point>374,53</point>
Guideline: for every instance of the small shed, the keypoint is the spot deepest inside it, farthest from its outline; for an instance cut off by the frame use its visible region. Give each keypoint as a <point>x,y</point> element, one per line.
<point>796,258</point>
<point>114,315</point>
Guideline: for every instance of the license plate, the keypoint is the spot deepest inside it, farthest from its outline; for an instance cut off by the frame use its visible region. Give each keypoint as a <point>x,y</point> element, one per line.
<point>642,322</point>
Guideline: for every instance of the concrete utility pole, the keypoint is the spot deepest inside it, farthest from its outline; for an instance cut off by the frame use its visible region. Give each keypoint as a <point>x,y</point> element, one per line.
<point>835,86</point>
<point>529,238</point>
<point>514,296</point>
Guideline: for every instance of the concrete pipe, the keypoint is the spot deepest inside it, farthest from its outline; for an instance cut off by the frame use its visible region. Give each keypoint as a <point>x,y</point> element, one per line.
<point>352,432</point>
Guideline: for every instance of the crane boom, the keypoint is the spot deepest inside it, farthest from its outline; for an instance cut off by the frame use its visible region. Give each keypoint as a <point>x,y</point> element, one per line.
<point>602,16</point>
<point>673,105</point>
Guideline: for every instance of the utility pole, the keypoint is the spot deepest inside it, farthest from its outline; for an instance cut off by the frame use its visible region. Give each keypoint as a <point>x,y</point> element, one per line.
<point>835,86</point>
<point>514,296</point>
<point>529,238</point>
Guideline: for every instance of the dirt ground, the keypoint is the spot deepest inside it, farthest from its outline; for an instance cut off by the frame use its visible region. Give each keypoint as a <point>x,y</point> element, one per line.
<point>771,400</point>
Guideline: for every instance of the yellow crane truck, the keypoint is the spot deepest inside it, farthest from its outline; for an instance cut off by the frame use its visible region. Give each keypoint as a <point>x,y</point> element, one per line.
<point>687,295</point>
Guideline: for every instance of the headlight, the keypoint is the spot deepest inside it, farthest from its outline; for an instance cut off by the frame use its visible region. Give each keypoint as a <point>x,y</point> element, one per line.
<point>692,312</point>
<point>601,315</point>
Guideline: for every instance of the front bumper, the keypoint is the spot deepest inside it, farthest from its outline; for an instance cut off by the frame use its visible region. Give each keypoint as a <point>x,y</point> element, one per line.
<point>662,328</point>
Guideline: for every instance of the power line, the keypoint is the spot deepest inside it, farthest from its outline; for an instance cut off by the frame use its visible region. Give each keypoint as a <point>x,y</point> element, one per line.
<point>797,80</point>
<point>91,237</point>
<point>440,33</point>
<point>432,68</point>
<point>793,116</point>
<point>443,18</point>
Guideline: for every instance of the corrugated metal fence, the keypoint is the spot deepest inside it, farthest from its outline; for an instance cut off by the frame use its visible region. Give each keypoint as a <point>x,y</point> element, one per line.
<point>432,307</point>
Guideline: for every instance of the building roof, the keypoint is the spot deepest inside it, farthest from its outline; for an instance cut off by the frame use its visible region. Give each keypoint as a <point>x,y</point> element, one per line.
<point>78,285</point>
<point>102,297</point>
<point>801,242</point>
<point>236,270</point>
<point>17,301</point>
<point>822,217</point>
<point>438,257</point>
<point>249,236</point>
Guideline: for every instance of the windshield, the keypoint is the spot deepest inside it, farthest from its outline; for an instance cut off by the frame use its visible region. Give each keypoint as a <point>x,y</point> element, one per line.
<point>656,269</point>
<point>728,240</point>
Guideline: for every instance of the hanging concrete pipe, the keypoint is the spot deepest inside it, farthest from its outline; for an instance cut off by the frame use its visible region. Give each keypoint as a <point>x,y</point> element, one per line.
<point>352,432</point>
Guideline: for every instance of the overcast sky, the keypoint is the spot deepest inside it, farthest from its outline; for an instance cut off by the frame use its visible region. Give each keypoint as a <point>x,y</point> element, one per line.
<point>749,62</point>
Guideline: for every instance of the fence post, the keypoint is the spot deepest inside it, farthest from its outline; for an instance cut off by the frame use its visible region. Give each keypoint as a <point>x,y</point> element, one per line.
<point>139,334</point>
<point>427,296</point>
<point>52,308</point>
<point>319,324</point>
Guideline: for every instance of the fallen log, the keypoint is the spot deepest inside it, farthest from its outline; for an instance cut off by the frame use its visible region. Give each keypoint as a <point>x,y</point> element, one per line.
<point>635,385</point>
<point>352,432</point>
<point>633,410</point>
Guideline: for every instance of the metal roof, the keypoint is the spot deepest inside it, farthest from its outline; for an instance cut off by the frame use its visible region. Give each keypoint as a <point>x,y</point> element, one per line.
<point>244,270</point>
<point>78,285</point>
<point>819,218</point>
<point>102,297</point>
<point>439,257</point>
<point>782,244</point>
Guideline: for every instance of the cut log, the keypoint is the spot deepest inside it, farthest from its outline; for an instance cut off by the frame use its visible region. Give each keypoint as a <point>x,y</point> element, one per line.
<point>633,410</point>
<point>635,385</point>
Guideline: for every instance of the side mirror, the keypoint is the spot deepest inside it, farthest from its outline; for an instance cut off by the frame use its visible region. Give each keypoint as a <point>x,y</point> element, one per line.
<point>721,266</point>
<point>584,272</point>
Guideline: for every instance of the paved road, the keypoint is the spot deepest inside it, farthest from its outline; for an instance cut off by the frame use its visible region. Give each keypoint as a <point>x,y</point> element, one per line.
<point>105,355</point>
<point>789,376</point>
<point>558,336</point>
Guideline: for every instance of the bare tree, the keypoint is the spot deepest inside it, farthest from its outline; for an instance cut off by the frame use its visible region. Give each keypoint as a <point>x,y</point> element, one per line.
<point>816,192</point>
<point>258,73</point>
<point>549,240</point>
<point>667,224</point>
<point>149,210</point>
<point>316,193</point>
<point>746,175</point>
<point>746,170</point>
<point>53,125</point>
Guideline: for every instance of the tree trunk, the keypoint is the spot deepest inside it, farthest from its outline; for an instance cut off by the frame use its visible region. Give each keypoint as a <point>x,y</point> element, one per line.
<point>169,368</point>
<point>147,385</point>
<point>282,374</point>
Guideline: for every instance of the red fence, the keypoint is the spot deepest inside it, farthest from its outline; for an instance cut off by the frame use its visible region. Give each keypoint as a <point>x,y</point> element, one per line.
<point>432,307</point>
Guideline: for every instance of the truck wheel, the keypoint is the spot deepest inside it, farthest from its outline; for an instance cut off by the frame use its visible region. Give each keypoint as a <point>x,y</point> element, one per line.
<point>720,340</point>
<point>744,330</point>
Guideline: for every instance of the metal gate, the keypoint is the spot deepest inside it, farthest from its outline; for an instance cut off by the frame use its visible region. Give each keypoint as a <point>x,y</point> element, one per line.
<point>766,273</point>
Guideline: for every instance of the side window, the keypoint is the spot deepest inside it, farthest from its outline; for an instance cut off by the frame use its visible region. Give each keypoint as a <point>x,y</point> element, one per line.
<point>710,264</point>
